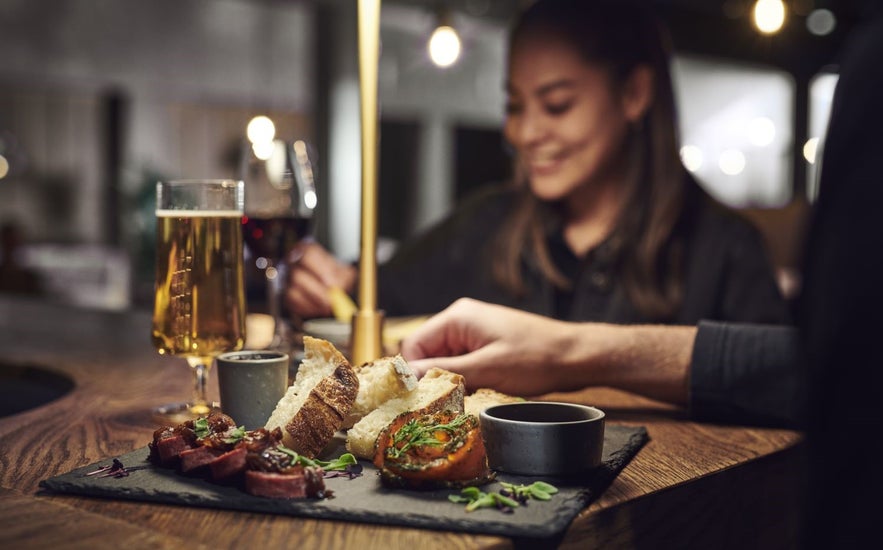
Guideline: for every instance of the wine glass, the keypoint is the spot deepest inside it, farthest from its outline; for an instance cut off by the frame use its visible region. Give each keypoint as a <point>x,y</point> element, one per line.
<point>199,310</point>
<point>280,199</point>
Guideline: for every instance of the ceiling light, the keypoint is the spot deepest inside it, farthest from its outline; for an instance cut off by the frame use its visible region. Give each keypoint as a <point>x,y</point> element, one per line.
<point>260,130</point>
<point>444,45</point>
<point>769,16</point>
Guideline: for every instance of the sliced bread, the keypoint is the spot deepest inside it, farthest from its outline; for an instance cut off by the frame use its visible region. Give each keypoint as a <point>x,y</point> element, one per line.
<point>438,390</point>
<point>483,398</point>
<point>379,381</point>
<point>316,404</point>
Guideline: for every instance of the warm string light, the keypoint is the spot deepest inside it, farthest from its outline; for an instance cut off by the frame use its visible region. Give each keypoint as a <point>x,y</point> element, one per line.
<point>444,45</point>
<point>769,16</point>
<point>261,131</point>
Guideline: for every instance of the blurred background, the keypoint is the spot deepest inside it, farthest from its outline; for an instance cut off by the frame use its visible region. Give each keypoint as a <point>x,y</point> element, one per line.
<point>100,98</point>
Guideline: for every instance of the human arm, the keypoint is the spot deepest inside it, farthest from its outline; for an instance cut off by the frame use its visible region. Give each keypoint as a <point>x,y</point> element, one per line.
<point>739,373</point>
<point>310,278</point>
<point>526,354</point>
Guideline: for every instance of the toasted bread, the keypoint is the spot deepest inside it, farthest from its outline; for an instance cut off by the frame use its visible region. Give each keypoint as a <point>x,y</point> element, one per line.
<point>483,398</point>
<point>316,404</point>
<point>438,390</point>
<point>379,381</point>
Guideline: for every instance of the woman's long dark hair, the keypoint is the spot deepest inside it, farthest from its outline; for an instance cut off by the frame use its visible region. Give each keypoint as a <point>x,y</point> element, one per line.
<point>618,35</point>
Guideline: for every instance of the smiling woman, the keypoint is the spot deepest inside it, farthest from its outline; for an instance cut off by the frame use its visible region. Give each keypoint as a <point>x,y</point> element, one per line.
<point>601,221</point>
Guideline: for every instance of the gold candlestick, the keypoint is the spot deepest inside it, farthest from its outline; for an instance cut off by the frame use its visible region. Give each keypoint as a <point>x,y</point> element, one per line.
<point>368,321</point>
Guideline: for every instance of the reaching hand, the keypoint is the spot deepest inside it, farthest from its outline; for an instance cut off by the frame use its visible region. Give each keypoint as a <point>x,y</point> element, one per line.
<point>494,347</point>
<point>310,276</point>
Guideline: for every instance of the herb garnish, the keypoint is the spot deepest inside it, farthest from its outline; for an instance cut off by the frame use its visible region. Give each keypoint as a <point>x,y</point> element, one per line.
<point>507,499</point>
<point>539,490</point>
<point>413,434</point>
<point>344,465</point>
<point>235,435</point>
<point>201,428</point>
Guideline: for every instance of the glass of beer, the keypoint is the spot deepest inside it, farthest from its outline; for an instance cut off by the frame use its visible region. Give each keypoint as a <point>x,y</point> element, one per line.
<point>199,311</point>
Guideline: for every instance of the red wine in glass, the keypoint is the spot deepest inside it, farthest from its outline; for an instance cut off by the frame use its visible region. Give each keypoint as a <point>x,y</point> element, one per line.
<point>273,237</point>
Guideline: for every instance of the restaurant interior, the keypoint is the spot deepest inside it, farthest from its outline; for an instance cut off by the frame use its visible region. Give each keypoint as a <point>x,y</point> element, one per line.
<point>100,102</point>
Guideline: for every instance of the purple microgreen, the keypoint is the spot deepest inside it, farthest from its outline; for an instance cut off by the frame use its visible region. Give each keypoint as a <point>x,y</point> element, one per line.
<point>351,471</point>
<point>116,470</point>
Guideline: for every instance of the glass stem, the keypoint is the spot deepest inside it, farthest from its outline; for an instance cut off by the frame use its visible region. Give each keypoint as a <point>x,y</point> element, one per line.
<point>274,283</point>
<point>200,405</point>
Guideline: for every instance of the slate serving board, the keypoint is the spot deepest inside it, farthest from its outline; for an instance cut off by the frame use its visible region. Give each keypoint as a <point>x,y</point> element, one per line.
<point>363,499</point>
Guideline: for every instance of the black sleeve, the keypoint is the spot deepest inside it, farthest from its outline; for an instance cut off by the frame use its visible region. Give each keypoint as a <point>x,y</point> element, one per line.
<point>750,293</point>
<point>746,374</point>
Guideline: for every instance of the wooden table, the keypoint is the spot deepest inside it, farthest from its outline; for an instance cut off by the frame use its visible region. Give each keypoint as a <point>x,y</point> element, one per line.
<point>692,486</point>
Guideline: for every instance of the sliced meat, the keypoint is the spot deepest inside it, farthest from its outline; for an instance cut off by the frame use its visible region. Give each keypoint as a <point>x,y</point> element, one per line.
<point>229,463</point>
<point>192,459</point>
<point>275,485</point>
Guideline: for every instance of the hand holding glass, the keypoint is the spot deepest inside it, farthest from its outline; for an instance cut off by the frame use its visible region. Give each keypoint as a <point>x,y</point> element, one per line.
<point>199,311</point>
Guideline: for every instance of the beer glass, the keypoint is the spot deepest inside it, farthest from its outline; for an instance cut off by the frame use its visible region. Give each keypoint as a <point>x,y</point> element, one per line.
<point>199,310</point>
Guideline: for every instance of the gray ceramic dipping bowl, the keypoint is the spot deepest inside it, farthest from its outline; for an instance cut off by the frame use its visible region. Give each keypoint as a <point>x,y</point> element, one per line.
<point>543,438</point>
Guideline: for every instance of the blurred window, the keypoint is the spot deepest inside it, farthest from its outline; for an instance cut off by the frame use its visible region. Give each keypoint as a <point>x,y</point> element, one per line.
<point>736,129</point>
<point>821,92</point>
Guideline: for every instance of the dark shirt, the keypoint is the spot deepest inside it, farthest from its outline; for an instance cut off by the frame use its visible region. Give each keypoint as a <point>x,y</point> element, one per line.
<point>832,363</point>
<point>728,276</point>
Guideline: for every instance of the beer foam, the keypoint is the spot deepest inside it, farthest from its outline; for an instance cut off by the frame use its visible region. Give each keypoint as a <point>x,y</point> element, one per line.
<point>198,214</point>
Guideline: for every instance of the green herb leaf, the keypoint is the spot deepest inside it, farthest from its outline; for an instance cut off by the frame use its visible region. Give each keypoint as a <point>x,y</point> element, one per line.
<point>200,428</point>
<point>545,487</point>
<point>339,463</point>
<point>484,501</point>
<point>236,435</point>
<point>504,500</point>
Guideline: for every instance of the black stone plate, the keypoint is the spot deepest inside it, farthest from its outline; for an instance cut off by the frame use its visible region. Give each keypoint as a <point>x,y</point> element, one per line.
<point>363,499</point>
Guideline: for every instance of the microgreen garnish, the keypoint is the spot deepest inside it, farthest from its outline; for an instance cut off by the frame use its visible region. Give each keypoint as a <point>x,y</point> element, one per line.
<point>344,465</point>
<point>116,470</point>
<point>413,434</point>
<point>539,490</point>
<point>235,435</point>
<point>475,499</point>
<point>200,428</point>
<point>511,496</point>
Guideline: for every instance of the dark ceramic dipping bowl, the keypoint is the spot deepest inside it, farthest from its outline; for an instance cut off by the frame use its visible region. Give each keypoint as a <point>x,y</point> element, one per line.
<point>543,438</point>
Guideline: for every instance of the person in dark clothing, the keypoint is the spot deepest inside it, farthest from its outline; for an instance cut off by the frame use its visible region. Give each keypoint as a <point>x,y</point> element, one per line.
<point>824,375</point>
<point>602,222</point>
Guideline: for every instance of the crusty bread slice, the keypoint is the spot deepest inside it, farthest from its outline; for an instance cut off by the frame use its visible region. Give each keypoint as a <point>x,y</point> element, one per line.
<point>483,398</point>
<point>316,404</point>
<point>438,390</point>
<point>379,381</point>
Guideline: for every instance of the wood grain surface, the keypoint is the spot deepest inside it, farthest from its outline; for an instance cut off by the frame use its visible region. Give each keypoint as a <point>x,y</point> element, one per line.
<point>691,486</point>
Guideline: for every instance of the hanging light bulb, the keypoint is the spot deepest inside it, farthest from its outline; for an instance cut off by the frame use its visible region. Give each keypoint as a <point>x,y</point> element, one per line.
<point>769,16</point>
<point>260,129</point>
<point>444,44</point>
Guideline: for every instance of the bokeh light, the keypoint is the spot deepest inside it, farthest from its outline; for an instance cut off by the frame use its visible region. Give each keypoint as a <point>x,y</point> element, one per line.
<point>444,46</point>
<point>769,15</point>
<point>731,162</point>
